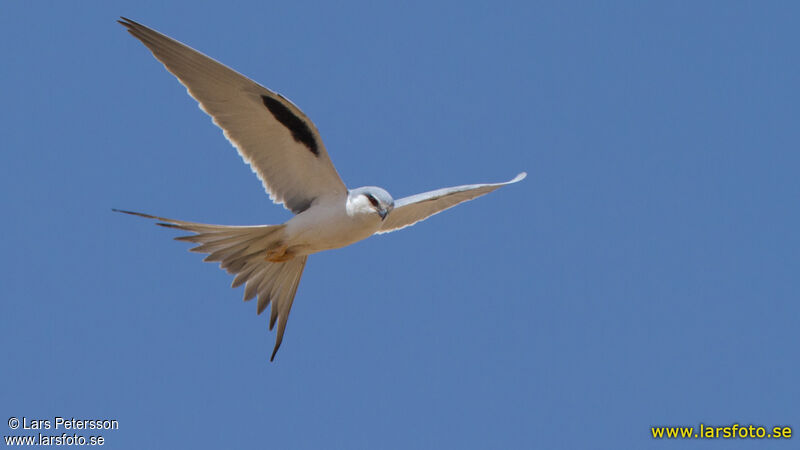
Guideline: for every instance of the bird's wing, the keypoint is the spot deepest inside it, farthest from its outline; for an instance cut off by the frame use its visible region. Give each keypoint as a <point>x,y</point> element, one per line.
<point>410,210</point>
<point>281,144</point>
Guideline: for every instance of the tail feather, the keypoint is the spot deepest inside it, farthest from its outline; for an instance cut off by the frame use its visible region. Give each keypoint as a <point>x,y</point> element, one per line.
<point>243,275</point>
<point>241,250</point>
<point>251,288</point>
<point>288,290</point>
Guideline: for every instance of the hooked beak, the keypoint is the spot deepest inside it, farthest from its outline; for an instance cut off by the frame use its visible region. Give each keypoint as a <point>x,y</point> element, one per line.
<point>383,213</point>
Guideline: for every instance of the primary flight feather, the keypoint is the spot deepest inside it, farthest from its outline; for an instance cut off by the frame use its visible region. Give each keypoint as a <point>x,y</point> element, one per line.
<point>284,149</point>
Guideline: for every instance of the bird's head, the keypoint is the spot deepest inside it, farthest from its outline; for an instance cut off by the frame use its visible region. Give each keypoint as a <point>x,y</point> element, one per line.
<point>370,200</point>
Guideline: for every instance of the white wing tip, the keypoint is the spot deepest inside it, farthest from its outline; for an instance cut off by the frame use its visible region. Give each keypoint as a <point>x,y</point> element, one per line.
<point>519,177</point>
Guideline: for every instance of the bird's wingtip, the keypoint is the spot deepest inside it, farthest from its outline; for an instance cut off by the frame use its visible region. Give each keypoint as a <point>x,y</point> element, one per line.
<point>521,176</point>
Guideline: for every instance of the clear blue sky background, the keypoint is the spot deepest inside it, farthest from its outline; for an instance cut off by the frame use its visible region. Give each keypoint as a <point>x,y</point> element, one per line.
<point>645,273</point>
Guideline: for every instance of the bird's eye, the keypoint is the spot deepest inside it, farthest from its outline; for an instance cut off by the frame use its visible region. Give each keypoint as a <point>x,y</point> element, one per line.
<point>372,200</point>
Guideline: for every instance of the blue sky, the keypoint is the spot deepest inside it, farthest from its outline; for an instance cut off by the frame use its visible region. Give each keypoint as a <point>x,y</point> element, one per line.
<point>645,273</point>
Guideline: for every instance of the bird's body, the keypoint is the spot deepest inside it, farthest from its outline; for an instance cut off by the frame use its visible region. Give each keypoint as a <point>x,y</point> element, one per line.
<point>285,150</point>
<point>333,223</point>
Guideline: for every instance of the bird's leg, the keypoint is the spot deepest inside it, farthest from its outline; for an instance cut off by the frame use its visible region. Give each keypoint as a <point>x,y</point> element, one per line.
<point>278,254</point>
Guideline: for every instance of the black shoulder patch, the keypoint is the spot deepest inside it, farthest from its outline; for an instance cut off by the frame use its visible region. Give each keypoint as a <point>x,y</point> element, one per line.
<point>297,208</point>
<point>299,128</point>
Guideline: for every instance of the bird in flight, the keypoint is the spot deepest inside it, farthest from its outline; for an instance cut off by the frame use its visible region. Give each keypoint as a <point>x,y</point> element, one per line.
<point>284,149</point>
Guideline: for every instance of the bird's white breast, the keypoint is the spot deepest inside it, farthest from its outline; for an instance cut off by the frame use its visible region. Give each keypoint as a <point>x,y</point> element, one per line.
<point>327,225</point>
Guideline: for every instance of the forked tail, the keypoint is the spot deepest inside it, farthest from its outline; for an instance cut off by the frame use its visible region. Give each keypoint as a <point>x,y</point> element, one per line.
<point>242,250</point>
